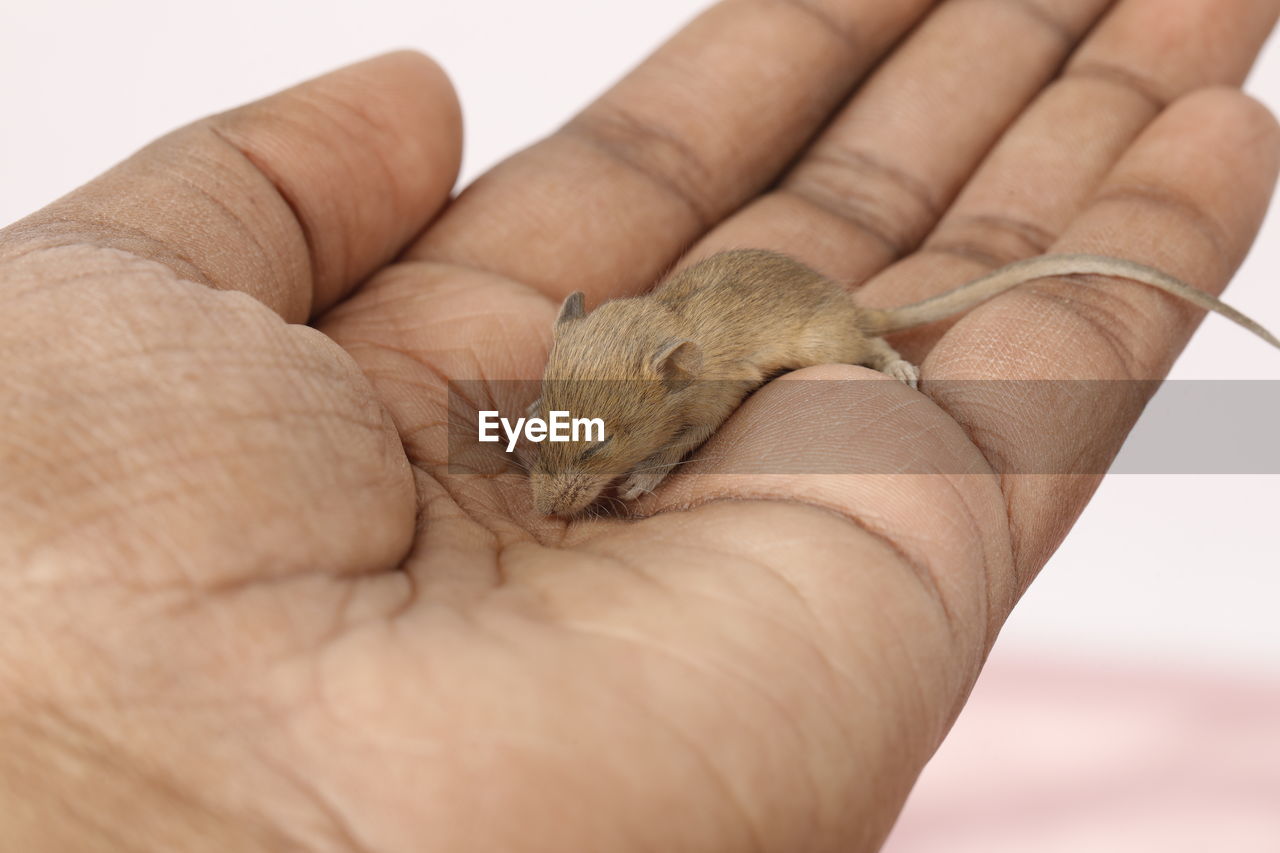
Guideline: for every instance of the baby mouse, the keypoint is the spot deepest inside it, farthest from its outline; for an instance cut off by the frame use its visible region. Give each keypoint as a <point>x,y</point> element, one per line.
<point>664,370</point>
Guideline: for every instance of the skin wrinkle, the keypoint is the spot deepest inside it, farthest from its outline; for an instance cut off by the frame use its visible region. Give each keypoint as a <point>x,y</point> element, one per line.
<point>1133,192</point>
<point>1100,71</point>
<point>855,216</point>
<point>376,296</point>
<point>246,231</point>
<point>296,213</point>
<point>497,556</point>
<point>184,457</point>
<point>412,595</point>
<point>249,363</point>
<point>501,574</point>
<point>987,563</point>
<point>650,645</point>
<point>321,116</point>
<point>74,524</point>
<point>46,285</point>
<point>913,187</point>
<point>391,182</point>
<point>428,276</point>
<point>445,278</point>
<point>839,676</point>
<point>859,211</point>
<point>405,332</point>
<point>693,747</point>
<point>341,827</point>
<point>974,251</point>
<point>929,581</point>
<point>897,246</point>
<point>89,742</point>
<point>341,621</point>
<point>984,247</point>
<point>914,694</point>
<point>864,167</point>
<point>101,234</point>
<point>760,613</point>
<point>719,23</point>
<point>337,109</point>
<point>308,415</point>
<point>847,36</point>
<point>1063,32</point>
<point>321,702</point>
<point>923,572</point>
<point>620,135</point>
<point>458,491</point>
<point>506,339</point>
<point>1009,483</point>
<point>223,650</point>
<point>244,307</point>
<point>435,380</point>
<point>178,456</point>
<point>481,506</point>
<point>1106,323</point>
<point>550,752</point>
<point>796,453</point>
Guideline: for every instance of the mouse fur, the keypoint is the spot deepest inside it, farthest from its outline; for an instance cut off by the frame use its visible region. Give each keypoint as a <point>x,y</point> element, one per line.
<point>665,369</point>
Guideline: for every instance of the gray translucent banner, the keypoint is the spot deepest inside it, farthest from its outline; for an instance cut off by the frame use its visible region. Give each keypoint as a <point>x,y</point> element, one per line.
<point>857,426</point>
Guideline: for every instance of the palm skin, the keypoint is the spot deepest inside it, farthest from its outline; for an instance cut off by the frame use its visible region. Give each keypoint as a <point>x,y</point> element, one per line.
<point>248,606</point>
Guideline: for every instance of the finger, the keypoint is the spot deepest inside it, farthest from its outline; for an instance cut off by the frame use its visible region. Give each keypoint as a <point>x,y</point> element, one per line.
<point>876,183</point>
<point>1188,199</point>
<point>1175,202</point>
<point>877,180</point>
<point>1047,166</point>
<point>292,199</point>
<point>606,203</point>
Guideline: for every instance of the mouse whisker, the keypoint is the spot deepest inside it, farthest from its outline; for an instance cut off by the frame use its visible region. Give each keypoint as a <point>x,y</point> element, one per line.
<point>673,465</point>
<point>739,317</point>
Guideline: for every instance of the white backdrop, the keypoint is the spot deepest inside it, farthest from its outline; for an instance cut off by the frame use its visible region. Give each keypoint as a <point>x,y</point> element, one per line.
<point>1176,570</point>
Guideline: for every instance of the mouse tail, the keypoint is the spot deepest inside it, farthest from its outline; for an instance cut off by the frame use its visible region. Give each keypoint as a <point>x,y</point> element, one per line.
<point>875,321</point>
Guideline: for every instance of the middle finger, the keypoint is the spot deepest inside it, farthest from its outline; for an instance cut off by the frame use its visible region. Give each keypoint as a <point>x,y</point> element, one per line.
<point>611,199</point>
<point>873,185</point>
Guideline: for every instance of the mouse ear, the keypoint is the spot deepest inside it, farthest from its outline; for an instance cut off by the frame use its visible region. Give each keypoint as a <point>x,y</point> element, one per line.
<point>572,309</point>
<point>678,363</point>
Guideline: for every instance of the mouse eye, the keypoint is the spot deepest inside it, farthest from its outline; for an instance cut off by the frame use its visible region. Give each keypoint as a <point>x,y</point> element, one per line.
<point>594,449</point>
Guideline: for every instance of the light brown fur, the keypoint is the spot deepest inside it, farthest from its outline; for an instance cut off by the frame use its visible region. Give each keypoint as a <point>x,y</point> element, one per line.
<point>664,370</point>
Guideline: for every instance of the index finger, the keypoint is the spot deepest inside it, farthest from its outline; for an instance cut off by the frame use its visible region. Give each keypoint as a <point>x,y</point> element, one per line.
<point>607,203</point>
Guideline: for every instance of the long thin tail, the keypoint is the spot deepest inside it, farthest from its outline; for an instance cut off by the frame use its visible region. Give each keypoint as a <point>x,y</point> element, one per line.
<point>883,321</point>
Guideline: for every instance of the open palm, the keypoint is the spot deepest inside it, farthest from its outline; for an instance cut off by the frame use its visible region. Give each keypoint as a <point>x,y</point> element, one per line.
<point>248,605</point>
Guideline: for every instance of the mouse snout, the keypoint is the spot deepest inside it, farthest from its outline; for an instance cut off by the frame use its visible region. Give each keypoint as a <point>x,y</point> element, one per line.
<point>564,494</point>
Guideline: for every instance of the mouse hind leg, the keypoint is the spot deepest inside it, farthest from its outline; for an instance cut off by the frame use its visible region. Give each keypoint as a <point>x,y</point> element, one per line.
<point>884,358</point>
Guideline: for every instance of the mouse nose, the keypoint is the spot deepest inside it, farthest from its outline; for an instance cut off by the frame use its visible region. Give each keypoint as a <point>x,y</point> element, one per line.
<point>551,498</point>
<point>564,495</point>
<point>544,504</point>
<point>565,505</point>
<point>569,502</point>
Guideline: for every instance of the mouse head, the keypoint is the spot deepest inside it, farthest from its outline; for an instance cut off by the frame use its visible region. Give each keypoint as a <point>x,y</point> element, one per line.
<point>627,365</point>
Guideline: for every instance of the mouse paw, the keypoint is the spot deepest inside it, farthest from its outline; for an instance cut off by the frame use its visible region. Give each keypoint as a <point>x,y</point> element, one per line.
<point>905,371</point>
<point>640,484</point>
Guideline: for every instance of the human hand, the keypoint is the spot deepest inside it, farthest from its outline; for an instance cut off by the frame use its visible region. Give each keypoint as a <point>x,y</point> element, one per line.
<point>245,604</point>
